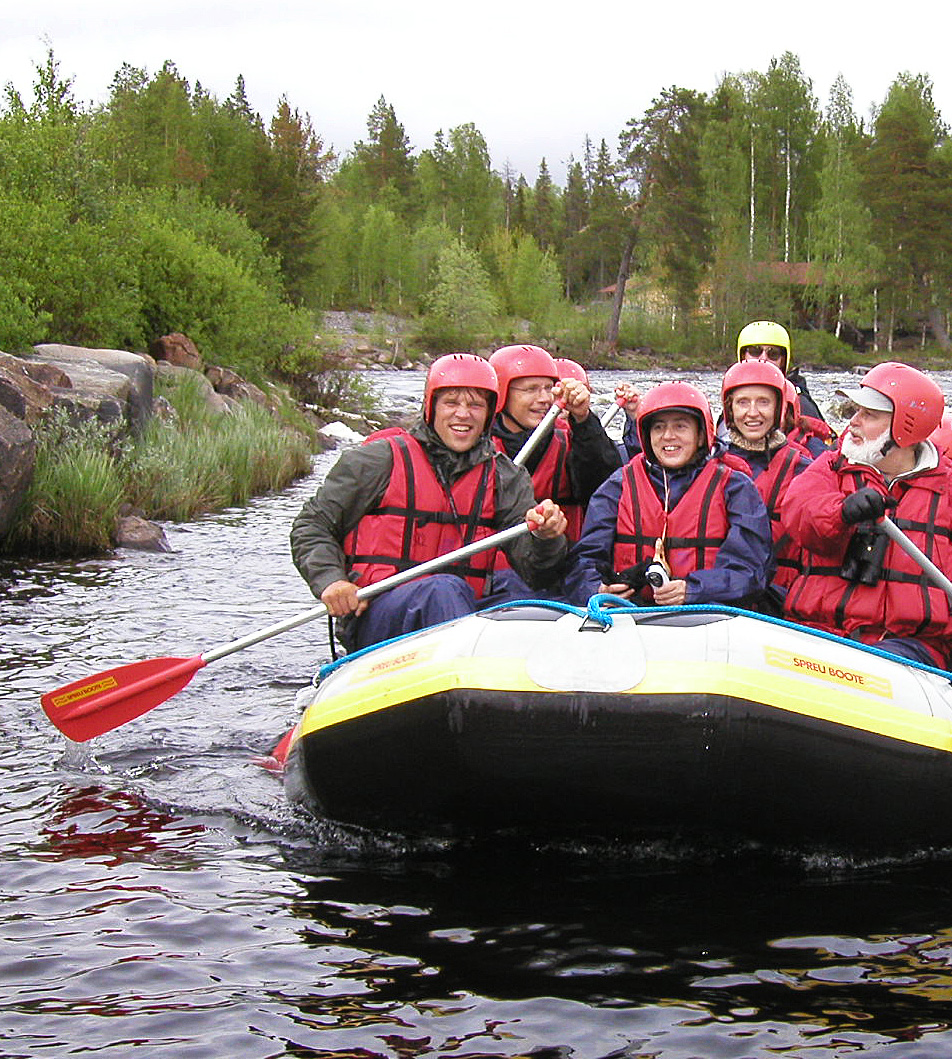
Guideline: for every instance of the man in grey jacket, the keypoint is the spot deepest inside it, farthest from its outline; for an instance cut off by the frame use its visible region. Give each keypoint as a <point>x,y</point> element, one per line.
<point>404,497</point>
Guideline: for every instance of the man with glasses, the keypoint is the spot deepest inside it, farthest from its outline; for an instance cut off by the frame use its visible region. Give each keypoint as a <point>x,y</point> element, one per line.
<point>577,456</point>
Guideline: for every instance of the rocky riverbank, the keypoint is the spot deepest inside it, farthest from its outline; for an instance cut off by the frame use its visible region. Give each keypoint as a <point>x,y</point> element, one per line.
<point>116,388</point>
<point>371,340</point>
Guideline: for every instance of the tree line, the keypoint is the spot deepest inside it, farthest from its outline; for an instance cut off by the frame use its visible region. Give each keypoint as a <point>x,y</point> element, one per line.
<point>168,209</point>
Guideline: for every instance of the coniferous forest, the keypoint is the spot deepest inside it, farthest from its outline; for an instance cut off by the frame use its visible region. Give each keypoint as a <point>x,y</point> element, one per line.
<point>169,209</point>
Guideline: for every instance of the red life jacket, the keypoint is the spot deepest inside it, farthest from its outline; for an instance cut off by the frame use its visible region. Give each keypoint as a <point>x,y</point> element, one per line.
<point>417,518</point>
<point>902,602</point>
<point>693,531</point>
<point>550,479</point>
<point>771,483</point>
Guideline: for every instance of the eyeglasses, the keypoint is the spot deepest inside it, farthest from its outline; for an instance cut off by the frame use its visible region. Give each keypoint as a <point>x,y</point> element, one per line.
<point>775,354</point>
<point>539,390</point>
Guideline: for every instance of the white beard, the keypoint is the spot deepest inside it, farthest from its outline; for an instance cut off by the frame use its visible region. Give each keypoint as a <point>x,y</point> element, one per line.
<point>868,452</point>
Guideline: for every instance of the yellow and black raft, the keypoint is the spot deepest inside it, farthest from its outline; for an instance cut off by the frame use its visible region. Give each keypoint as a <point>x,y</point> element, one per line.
<point>624,723</point>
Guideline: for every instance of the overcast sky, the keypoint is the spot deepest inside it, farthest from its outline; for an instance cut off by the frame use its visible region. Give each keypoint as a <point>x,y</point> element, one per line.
<point>535,78</point>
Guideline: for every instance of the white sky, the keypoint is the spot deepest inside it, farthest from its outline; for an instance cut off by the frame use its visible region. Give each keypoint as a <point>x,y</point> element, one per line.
<point>535,78</point>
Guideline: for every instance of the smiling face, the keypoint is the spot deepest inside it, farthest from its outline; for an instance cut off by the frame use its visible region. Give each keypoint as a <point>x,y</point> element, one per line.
<point>753,411</point>
<point>675,438</point>
<point>528,400</point>
<point>459,416</point>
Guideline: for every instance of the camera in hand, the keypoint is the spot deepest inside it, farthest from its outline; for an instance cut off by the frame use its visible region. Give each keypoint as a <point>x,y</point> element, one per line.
<point>656,575</point>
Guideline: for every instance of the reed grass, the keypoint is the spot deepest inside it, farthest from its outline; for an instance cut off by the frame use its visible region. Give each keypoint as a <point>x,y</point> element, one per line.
<point>198,461</point>
<point>74,497</point>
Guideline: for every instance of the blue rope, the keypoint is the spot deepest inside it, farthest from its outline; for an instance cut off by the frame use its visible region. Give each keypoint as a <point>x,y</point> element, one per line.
<point>603,606</point>
<point>598,612</point>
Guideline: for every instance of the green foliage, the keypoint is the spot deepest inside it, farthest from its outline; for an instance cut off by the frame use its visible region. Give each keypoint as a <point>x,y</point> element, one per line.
<point>21,325</point>
<point>169,209</point>
<point>461,306</point>
<point>529,279</point>
<point>75,280</point>
<point>812,348</point>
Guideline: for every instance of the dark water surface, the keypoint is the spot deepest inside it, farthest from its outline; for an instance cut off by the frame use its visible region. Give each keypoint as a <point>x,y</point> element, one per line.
<point>159,898</point>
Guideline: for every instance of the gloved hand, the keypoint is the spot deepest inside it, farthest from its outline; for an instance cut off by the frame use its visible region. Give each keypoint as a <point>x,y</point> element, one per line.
<point>865,505</point>
<point>633,576</point>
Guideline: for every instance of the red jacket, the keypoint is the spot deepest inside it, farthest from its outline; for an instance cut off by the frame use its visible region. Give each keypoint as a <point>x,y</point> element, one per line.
<point>902,603</point>
<point>772,483</point>
<point>417,518</point>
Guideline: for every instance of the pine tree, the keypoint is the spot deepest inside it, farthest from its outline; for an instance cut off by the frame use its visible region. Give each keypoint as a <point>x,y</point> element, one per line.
<point>661,153</point>
<point>543,225</point>
<point>575,218</point>
<point>908,185</point>
<point>387,160</point>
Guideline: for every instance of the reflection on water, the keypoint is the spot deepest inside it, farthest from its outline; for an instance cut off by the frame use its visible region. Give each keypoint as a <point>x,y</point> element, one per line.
<point>159,897</point>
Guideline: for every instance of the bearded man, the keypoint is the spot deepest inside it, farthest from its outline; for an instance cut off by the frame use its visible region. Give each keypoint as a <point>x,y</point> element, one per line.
<point>855,581</point>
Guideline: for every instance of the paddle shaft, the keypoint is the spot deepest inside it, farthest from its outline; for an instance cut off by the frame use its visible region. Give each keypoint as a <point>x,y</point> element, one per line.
<point>93,705</point>
<point>609,414</point>
<point>495,540</point>
<point>928,566</point>
<point>536,436</point>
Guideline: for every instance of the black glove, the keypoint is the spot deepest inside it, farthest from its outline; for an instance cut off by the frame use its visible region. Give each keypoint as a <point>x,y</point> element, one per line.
<point>865,505</point>
<point>632,576</point>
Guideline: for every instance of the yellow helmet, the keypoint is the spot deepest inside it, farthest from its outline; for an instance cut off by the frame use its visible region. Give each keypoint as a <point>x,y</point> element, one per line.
<point>765,333</point>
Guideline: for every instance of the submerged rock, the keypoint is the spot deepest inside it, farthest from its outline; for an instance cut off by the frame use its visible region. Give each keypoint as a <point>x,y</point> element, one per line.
<point>133,531</point>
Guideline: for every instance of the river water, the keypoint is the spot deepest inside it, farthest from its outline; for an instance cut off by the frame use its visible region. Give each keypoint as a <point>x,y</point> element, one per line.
<point>159,897</point>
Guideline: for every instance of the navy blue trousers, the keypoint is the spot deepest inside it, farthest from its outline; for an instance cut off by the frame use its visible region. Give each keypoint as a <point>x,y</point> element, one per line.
<point>415,605</point>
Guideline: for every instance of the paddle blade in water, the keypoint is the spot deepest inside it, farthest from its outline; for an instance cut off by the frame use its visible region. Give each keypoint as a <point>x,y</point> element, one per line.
<point>93,705</point>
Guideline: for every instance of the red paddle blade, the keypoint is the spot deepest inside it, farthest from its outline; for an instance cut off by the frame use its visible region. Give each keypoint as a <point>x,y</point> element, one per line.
<point>97,704</point>
<point>274,762</point>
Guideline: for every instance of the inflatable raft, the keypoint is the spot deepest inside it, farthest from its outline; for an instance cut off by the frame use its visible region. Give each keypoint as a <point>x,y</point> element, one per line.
<point>624,723</point>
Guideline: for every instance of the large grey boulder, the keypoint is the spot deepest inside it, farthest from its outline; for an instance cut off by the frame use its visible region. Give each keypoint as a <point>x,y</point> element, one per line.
<point>111,384</point>
<point>21,393</point>
<point>17,457</point>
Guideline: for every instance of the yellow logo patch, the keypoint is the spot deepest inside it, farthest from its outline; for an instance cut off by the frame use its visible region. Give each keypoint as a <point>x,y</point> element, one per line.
<point>397,661</point>
<point>834,674</point>
<point>106,684</point>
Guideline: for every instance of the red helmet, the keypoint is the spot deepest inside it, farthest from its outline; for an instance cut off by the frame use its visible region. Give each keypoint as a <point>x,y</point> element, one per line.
<point>674,396</point>
<point>941,437</point>
<point>570,369</point>
<point>460,369</point>
<point>520,362</point>
<point>791,405</point>
<point>755,373</point>
<point>917,401</point>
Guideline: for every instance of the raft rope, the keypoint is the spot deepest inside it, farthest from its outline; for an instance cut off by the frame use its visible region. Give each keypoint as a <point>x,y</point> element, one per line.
<point>603,607</point>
